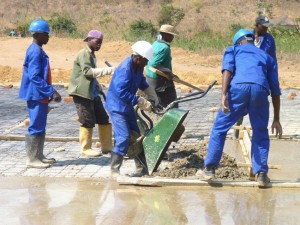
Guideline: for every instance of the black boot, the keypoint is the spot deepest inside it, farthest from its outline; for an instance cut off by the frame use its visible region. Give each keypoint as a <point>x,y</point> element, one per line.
<point>140,166</point>
<point>32,145</point>
<point>115,164</point>
<point>262,179</point>
<point>41,151</point>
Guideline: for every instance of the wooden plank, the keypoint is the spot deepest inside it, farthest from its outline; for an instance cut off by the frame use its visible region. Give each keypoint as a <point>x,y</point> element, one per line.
<point>269,165</point>
<point>241,128</point>
<point>47,138</point>
<point>162,182</point>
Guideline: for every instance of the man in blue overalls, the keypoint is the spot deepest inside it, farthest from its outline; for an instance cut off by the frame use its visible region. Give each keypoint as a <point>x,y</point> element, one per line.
<point>264,41</point>
<point>121,99</point>
<point>37,90</point>
<point>249,76</point>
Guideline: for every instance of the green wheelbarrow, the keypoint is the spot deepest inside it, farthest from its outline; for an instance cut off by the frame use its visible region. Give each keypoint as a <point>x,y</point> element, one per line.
<point>156,139</point>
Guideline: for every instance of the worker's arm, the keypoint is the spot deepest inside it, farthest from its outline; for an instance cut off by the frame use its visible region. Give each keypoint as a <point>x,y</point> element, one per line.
<point>276,121</point>
<point>272,76</point>
<point>226,77</point>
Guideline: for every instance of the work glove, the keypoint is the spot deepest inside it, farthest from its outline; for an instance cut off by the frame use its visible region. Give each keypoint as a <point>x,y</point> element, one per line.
<point>143,104</point>
<point>151,95</point>
<point>99,72</point>
<point>56,97</point>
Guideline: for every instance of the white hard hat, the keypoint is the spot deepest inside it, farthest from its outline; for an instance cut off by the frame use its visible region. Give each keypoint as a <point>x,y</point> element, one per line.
<point>143,48</point>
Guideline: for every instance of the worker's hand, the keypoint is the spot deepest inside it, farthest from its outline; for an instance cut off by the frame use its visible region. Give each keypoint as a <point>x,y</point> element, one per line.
<point>151,95</point>
<point>56,97</point>
<point>224,104</point>
<point>99,88</point>
<point>145,105</point>
<point>278,129</point>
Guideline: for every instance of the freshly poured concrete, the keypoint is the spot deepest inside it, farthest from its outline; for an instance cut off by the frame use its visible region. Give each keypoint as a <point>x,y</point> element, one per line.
<point>283,153</point>
<point>44,201</point>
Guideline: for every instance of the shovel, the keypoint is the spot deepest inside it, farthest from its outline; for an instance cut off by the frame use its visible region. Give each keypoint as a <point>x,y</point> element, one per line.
<point>174,78</point>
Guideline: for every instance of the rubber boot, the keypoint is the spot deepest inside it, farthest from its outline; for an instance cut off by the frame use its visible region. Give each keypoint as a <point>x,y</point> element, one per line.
<point>85,139</point>
<point>115,164</point>
<point>41,151</point>
<point>32,149</point>
<point>140,166</point>
<point>105,137</point>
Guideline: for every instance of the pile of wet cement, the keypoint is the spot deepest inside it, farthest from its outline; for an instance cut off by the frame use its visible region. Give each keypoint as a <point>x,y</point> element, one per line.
<point>189,159</point>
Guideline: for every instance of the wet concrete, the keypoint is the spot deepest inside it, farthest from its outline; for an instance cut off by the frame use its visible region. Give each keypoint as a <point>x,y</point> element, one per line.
<point>284,154</point>
<point>44,201</point>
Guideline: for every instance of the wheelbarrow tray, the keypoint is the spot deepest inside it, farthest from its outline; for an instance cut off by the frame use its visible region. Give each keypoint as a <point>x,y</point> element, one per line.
<point>159,138</point>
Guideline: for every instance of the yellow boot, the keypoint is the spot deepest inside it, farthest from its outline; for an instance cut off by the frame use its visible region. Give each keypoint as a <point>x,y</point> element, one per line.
<point>105,137</point>
<point>85,139</point>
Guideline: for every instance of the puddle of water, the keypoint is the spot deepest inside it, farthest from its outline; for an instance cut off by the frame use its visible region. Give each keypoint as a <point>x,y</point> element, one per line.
<point>67,201</point>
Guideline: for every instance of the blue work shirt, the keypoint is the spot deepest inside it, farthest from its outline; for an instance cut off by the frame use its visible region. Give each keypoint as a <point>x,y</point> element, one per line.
<point>121,94</point>
<point>267,43</point>
<point>34,85</point>
<point>249,64</point>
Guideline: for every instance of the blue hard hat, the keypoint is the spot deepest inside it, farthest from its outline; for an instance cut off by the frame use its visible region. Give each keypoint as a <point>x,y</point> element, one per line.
<point>241,33</point>
<point>39,26</point>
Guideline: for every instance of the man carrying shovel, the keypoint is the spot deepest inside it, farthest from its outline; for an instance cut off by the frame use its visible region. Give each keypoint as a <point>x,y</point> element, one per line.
<point>162,60</point>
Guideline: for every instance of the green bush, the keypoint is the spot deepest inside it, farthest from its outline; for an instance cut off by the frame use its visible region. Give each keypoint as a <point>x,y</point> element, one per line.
<point>170,15</point>
<point>287,40</point>
<point>62,24</point>
<point>23,26</point>
<point>141,28</point>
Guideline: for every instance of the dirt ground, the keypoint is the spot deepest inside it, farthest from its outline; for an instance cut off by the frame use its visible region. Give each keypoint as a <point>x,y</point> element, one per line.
<point>191,67</point>
<point>191,158</point>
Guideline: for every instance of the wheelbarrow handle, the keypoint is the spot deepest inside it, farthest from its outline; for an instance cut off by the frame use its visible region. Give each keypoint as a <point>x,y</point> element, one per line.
<point>188,97</point>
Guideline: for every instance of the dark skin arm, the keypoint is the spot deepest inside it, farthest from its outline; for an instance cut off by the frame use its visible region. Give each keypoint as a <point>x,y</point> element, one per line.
<point>276,123</point>
<point>225,84</point>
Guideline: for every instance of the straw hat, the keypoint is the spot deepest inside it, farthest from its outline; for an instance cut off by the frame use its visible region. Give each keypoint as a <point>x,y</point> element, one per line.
<point>166,28</point>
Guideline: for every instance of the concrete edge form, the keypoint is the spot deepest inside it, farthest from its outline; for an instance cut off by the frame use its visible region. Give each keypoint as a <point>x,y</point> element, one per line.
<point>163,182</point>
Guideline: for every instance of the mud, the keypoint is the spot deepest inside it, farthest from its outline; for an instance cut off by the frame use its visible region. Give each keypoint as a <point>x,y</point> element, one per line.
<point>189,159</point>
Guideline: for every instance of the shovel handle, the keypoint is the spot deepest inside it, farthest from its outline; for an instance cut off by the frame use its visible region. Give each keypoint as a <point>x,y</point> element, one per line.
<point>107,63</point>
<point>176,79</point>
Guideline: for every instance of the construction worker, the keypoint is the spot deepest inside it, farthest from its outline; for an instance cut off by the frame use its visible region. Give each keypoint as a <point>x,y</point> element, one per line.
<point>249,76</point>
<point>264,41</point>
<point>121,99</point>
<point>162,60</point>
<point>37,90</point>
<point>84,88</point>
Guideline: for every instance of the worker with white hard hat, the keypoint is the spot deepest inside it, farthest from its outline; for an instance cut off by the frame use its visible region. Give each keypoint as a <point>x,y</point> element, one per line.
<point>121,99</point>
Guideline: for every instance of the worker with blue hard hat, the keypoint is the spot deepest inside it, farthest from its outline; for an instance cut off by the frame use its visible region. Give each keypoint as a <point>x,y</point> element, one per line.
<point>264,41</point>
<point>249,76</point>
<point>37,90</point>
